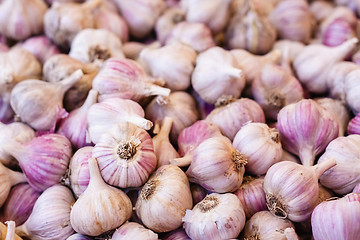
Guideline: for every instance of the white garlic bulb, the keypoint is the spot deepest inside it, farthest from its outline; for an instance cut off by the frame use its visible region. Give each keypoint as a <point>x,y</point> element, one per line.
<point>163,199</point>
<point>217,216</point>
<point>166,22</point>
<point>133,230</point>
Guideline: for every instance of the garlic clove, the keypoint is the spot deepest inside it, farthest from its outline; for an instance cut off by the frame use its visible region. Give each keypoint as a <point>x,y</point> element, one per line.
<point>106,207</point>
<point>166,22</point>
<point>354,125</point>
<point>131,230</point>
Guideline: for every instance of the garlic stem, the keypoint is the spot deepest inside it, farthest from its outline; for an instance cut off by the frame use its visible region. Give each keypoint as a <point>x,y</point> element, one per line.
<point>307,157</point>
<point>233,72</point>
<point>166,127</point>
<point>10,233</point>
<point>141,122</point>
<point>157,81</point>
<point>290,234</point>
<point>320,168</point>
<point>183,161</point>
<point>152,89</point>
<point>345,48</point>
<point>272,56</point>
<point>96,179</point>
<point>16,177</point>
<point>22,231</point>
<point>90,100</point>
<point>15,149</point>
<point>68,82</point>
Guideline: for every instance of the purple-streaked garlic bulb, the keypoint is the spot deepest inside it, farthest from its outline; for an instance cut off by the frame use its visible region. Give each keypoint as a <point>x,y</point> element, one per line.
<point>107,114</point>
<point>217,216</point>
<point>198,193</point>
<point>133,230</point>
<point>125,155</point>
<point>163,199</point>
<point>315,61</point>
<point>352,88</point>
<point>163,149</point>
<point>125,78</point>
<point>293,20</point>
<point>305,129</point>
<point>19,203</point>
<point>228,79</point>
<point>292,189</point>
<point>178,234</point>
<point>43,160</point>
<point>180,106</point>
<point>337,219</point>
<point>79,170</point>
<point>140,15</point>
<point>214,14</point>
<point>8,178</point>
<point>101,207</point>
<point>16,131</point>
<point>275,88</point>
<point>95,45</point>
<point>251,195</point>
<point>78,236</point>
<point>174,63</point>
<point>50,218</point>
<point>166,22</point>
<point>22,18</point>
<point>75,125</point>
<point>217,166</point>
<point>260,145</point>
<point>231,114</point>
<point>45,109</point>
<point>265,226</point>
<point>346,174</point>
<point>196,35</point>
<point>354,125</point>
<point>191,137</point>
<point>41,47</point>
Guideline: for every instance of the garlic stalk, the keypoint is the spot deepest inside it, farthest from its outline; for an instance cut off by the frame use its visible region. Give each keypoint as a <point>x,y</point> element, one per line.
<point>10,233</point>
<point>131,230</point>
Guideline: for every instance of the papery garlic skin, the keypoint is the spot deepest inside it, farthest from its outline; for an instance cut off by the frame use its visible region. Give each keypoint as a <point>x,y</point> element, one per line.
<point>352,87</point>
<point>92,45</point>
<point>321,9</point>
<point>8,179</point>
<point>22,18</point>
<point>337,219</point>
<point>293,48</point>
<point>166,22</point>
<point>41,47</point>
<point>132,230</point>
<point>217,166</point>
<point>228,79</point>
<point>345,175</point>
<point>264,225</point>
<point>178,234</point>
<point>78,236</point>
<point>163,199</point>
<point>305,129</point>
<point>217,216</point>
<point>50,218</point>
<point>354,125</point>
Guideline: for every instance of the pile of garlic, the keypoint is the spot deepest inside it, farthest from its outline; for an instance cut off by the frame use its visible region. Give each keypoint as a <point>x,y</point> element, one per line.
<point>179,119</point>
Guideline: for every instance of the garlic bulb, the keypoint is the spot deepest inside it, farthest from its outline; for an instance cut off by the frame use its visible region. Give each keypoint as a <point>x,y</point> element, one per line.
<point>95,45</point>
<point>232,114</point>
<point>314,62</point>
<point>45,109</point>
<point>41,47</point>
<point>101,207</point>
<point>215,14</point>
<point>17,131</point>
<point>265,226</point>
<point>321,9</point>
<point>75,125</point>
<point>180,106</point>
<point>305,129</point>
<point>227,80</point>
<point>125,78</point>
<point>354,125</point>
<point>6,112</point>
<point>103,116</point>
<point>338,110</point>
<point>275,88</point>
<point>292,48</point>
<point>174,63</point>
<point>50,218</point>
<point>337,219</point>
<point>191,137</point>
<point>22,18</point>
<point>196,35</point>
<point>250,30</point>
<point>132,51</point>
<point>146,13</point>
<point>178,234</point>
<point>163,149</point>
<point>252,64</point>
<point>217,166</point>
<point>260,145</point>
<point>163,199</point>
<point>352,86</point>
<point>298,19</point>
<point>166,22</point>
<point>43,160</point>
<point>251,195</point>
<point>132,230</point>
<point>292,189</point>
<point>8,179</point>
<point>19,203</point>
<point>62,66</point>
<point>79,170</point>
<point>64,20</point>
<point>345,175</point>
<point>78,236</point>
<point>217,216</point>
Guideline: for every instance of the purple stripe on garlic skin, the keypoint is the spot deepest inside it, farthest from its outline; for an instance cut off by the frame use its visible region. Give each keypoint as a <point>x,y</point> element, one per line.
<point>354,125</point>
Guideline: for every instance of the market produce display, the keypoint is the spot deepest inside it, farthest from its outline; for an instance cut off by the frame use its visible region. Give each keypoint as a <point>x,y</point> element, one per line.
<point>179,119</point>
